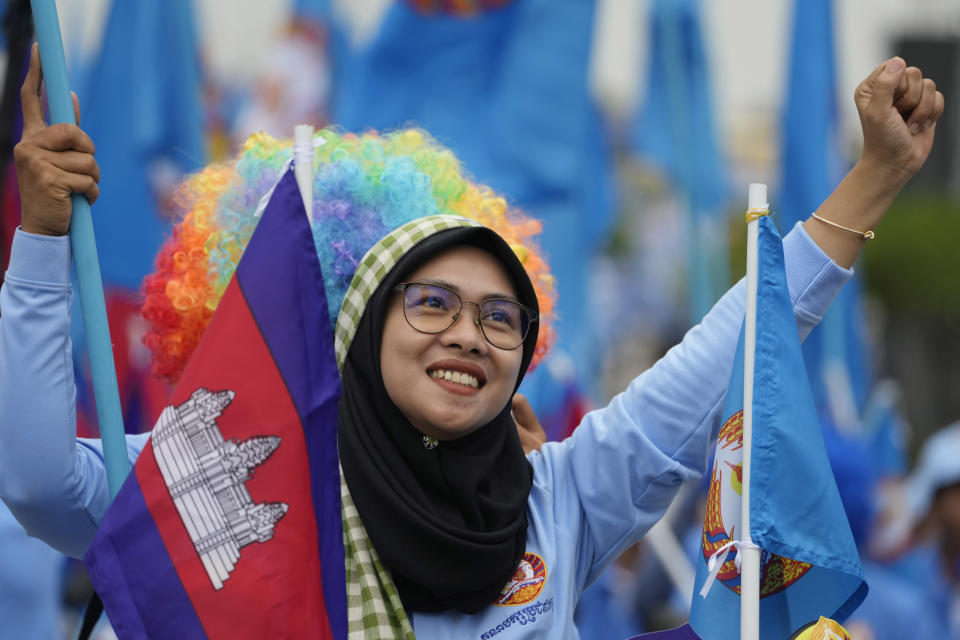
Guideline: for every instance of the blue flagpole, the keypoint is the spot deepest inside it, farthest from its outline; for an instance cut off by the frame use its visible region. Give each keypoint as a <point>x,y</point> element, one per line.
<point>83,243</point>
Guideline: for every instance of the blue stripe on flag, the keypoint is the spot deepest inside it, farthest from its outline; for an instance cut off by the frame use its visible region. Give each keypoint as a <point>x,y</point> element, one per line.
<point>154,586</point>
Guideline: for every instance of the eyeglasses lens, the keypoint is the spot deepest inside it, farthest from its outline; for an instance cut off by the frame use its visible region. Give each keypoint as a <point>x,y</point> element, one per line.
<point>430,309</point>
<point>504,323</point>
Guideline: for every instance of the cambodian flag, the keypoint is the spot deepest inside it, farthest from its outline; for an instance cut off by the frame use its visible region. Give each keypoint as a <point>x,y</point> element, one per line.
<point>809,562</point>
<point>229,526</point>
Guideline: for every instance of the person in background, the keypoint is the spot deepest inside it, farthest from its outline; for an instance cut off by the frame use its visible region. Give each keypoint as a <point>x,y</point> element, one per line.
<point>932,559</point>
<point>894,608</point>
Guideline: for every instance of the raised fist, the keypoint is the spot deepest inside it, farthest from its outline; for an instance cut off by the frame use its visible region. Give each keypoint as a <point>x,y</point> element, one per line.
<point>898,110</point>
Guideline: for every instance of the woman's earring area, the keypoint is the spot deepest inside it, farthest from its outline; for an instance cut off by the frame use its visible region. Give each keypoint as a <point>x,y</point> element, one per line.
<point>430,443</point>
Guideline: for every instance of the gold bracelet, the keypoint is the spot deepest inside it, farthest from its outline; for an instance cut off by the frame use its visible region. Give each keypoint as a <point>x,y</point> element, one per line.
<point>867,235</point>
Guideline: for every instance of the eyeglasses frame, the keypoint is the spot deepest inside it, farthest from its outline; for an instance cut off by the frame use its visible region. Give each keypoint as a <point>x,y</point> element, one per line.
<point>532,315</point>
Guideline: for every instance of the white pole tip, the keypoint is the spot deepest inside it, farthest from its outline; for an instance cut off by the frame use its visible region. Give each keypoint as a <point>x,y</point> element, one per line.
<point>757,198</point>
<point>302,131</point>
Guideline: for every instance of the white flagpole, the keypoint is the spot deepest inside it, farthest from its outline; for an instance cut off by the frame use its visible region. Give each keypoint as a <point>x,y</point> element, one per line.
<point>671,553</point>
<point>750,555</point>
<point>303,164</point>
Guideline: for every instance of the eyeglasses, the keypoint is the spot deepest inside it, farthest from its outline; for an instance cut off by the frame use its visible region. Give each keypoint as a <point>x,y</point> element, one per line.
<point>432,308</point>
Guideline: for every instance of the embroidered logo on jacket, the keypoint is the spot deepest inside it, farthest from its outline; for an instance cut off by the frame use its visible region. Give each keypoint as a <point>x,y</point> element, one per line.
<point>526,615</point>
<point>527,582</point>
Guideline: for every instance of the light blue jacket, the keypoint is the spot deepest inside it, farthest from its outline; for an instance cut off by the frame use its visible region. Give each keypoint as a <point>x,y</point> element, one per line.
<point>593,495</point>
<point>30,584</point>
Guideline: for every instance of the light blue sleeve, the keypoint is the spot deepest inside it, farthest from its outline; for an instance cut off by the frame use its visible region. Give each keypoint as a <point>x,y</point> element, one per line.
<point>52,482</point>
<point>619,471</point>
<point>31,577</point>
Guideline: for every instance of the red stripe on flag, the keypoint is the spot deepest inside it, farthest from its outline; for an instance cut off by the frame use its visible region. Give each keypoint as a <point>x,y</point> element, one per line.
<point>275,589</point>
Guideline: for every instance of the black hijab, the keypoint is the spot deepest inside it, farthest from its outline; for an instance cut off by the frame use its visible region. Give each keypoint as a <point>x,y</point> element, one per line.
<point>450,523</point>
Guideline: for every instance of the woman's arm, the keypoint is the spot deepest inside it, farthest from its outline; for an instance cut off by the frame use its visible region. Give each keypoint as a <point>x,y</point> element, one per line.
<point>54,485</point>
<point>618,473</point>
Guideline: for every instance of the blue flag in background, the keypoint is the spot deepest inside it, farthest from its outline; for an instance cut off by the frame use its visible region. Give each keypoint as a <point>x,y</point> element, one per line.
<point>809,563</point>
<point>142,105</point>
<point>675,131</point>
<point>674,128</point>
<point>507,90</point>
<point>316,10</point>
<point>835,352</point>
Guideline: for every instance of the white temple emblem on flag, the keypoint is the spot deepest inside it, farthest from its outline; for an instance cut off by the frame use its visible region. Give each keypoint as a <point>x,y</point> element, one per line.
<point>206,475</point>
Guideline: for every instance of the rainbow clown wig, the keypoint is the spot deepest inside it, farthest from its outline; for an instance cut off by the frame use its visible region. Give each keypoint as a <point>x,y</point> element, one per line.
<point>364,187</point>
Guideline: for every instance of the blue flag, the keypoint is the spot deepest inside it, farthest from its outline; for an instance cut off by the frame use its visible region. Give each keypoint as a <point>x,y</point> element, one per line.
<point>315,10</point>
<point>675,131</point>
<point>809,563</point>
<point>507,90</point>
<point>141,103</point>
<point>884,430</point>
<point>835,352</point>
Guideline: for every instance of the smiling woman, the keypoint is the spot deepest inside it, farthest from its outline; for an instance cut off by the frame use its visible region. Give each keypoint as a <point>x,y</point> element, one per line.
<point>434,466</point>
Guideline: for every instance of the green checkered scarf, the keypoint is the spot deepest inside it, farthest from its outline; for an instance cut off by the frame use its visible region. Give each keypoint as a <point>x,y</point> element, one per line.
<point>374,609</point>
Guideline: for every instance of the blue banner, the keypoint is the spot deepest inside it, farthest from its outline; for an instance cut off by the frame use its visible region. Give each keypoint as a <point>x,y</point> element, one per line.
<point>835,352</point>
<point>507,90</point>
<point>142,104</point>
